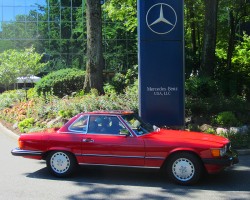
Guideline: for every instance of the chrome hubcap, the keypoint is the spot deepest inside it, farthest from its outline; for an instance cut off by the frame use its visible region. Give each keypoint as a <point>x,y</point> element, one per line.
<point>60,162</point>
<point>183,169</point>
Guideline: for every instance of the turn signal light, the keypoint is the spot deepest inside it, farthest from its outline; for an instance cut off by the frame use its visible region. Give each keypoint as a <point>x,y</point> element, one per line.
<point>215,152</point>
<point>20,144</point>
<point>219,152</point>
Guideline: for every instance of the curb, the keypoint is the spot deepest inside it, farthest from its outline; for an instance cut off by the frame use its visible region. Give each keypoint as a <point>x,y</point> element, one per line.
<point>241,152</point>
<point>9,132</point>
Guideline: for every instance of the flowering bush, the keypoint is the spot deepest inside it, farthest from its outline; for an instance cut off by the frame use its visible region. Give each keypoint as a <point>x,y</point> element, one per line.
<point>44,109</point>
<point>10,98</point>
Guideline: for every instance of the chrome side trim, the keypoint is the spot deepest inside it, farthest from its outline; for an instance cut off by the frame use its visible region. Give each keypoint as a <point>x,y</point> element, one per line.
<point>20,152</point>
<point>113,156</point>
<point>155,158</point>
<point>118,156</point>
<point>75,133</point>
<point>127,166</point>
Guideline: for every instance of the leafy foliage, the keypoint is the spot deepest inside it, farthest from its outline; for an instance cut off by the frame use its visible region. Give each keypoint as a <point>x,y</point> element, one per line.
<point>200,87</point>
<point>26,124</point>
<point>238,141</point>
<point>10,98</point>
<point>23,63</point>
<point>120,81</point>
<point>226,119</point>
<point>122,10</point>
<point>62,82</point>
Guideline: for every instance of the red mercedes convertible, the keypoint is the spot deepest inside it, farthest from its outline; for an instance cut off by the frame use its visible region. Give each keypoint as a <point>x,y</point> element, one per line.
<point>120,138</point>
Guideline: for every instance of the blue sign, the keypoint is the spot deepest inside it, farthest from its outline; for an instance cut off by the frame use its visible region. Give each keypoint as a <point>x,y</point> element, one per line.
<point>161,61</point>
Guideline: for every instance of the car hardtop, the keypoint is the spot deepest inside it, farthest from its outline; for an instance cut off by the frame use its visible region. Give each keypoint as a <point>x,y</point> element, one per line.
<point>108,112</point>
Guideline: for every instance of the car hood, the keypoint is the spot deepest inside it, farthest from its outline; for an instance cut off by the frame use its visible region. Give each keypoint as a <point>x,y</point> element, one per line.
<point>179,135</point>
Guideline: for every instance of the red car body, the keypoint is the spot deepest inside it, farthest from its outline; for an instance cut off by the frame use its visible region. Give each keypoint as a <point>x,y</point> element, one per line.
<point>183,155</point>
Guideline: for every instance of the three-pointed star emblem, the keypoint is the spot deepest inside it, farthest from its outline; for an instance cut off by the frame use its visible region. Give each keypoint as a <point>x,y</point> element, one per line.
<point>157,21</point>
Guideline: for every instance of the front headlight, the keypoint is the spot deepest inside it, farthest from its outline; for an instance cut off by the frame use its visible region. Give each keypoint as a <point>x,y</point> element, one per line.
<point>223,151</point>
<point>219,152</point>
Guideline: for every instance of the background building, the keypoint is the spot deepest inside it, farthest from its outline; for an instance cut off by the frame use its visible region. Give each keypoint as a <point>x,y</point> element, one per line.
<point>57,29</point>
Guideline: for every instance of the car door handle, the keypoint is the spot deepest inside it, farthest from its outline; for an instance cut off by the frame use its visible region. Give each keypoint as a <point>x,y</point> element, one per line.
<point>88,140</point>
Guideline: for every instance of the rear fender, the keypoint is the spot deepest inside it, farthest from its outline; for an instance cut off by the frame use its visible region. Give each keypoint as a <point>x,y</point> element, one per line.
<point>57,149</point>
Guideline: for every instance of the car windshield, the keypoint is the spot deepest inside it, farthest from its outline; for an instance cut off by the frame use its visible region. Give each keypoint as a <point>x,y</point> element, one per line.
<point>137,124</point>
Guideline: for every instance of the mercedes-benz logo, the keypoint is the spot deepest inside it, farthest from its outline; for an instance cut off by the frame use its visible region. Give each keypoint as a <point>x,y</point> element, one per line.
<point>156,20</point>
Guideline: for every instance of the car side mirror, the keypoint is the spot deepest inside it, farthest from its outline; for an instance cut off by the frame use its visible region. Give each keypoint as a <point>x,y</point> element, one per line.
<point>156,128</point>
<point>124,132</point>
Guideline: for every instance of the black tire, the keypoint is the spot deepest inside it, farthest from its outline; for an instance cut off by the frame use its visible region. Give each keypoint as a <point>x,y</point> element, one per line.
<point>61,164</point>
<point>184,168</point>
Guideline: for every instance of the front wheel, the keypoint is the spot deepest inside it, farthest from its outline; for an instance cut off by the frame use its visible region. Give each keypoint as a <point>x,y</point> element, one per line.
<point>184,168</point>
<point>61,164</point>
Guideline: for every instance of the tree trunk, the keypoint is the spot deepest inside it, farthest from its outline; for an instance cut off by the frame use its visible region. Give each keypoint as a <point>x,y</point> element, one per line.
<point>209,39</point>
<point>94,65</point>
<point>231,43</point>
<point>193,37</point>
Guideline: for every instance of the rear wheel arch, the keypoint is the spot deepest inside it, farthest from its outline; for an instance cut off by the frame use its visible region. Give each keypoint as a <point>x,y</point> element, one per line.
<point>61,163</point>
<point>49,150</point>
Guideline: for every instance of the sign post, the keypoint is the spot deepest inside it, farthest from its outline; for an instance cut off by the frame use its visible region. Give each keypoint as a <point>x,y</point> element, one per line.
<point>161,61</point>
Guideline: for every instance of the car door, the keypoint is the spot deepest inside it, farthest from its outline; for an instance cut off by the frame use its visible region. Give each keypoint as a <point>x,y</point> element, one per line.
<point>103,143</point>
<point>73,136</point>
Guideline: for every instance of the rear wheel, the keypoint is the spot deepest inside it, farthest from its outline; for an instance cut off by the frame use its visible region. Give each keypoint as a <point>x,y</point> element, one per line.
<point>60,163</point>
<point>184,168</point>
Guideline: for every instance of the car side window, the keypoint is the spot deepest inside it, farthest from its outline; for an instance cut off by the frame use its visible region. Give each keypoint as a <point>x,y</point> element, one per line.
<point>105,125</point>
<point>80,125</point>
<point>115,126</point>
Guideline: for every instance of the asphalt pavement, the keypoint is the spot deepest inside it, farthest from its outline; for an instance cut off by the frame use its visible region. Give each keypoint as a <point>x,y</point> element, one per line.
<point>24,179</point>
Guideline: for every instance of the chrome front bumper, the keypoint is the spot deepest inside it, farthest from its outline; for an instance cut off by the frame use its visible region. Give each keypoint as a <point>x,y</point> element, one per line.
<point>229,159</point>
<point>21,152</point>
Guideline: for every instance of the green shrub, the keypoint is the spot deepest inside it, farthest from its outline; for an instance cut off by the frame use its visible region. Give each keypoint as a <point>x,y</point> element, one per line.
<point>213,105</point>
<point>210,131</point>
<point>226,119</point>
<point>200,87</point>
<point>120,81</point>
<point>26,124</point>
<point>66,114</point>
<point>238,140</point>
<point>11,97</point>
<point>109,89</point>
<point>62,82</point>
<point>31,93</point>
<point>193,127</point>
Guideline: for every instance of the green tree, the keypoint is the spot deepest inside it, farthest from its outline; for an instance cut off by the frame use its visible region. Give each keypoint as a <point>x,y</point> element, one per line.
<point>120,34</point>
<point>19,63</point>
<point>194,24</point>
<point>230,71</point>
<point>8,71</point>
<point>241,66</point>
<point>238,11</point>
<point>124,11</point>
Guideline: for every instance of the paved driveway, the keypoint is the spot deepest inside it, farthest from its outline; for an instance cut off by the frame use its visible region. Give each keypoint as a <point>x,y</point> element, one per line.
<point>24,179</point>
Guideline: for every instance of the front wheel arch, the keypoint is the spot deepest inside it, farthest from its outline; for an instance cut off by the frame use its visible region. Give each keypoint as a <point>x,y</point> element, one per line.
<point>191,160</point>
